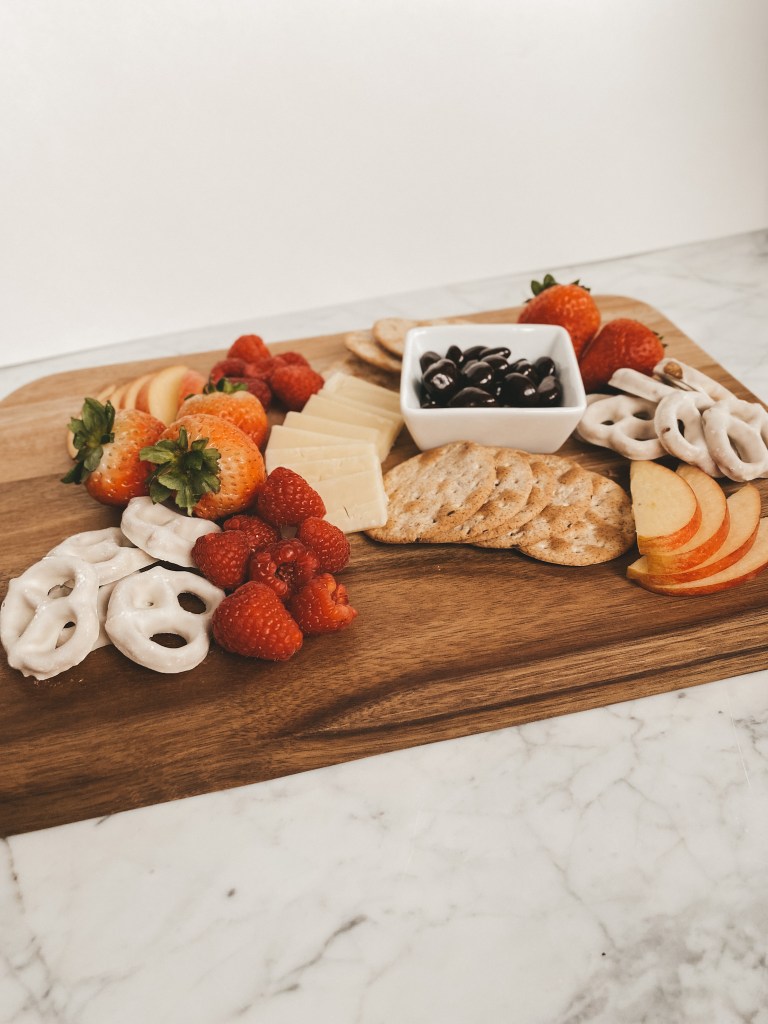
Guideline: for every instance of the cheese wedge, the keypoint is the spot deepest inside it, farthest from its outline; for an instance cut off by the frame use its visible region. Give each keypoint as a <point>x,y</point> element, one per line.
<point>354,502</point>
<point>347,431</point>
<point>362,391</point>
<point>356,402</point>
<point>342,412</point>
<point>314,453</point>
<point>326,469</point>
<point>292,437</point>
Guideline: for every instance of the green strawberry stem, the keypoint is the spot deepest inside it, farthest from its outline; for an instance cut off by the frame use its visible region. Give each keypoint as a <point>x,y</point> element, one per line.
<point>225,385</point>
<point>90,433</point>
<point>182,471</point>
<point>537,287</point>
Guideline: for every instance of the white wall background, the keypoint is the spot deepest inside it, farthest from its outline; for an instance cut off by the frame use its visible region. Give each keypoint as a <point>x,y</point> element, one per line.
<point>166,164</point>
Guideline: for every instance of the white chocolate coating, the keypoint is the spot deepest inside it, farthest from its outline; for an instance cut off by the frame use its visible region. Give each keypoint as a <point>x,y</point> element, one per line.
<point>166,535</point>
<point>109,551</point>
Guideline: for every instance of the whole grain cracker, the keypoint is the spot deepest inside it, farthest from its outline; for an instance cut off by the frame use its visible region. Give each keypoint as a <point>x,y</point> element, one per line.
<point>434,490</point>
<point>390,333</point>
<point>584,534</point>
<point>363,345</point>
<point>514,482</point>
<point>544,482</point>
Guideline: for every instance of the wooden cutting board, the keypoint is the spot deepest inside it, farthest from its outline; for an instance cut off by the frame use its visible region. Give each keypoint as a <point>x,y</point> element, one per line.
<point>449,641</point>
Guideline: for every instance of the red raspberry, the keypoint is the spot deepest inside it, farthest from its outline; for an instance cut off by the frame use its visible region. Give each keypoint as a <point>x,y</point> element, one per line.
<point>293,359</point>
<point>227,368</point>
<point>286,499</point>
<point>257,387</point>
<point>327,541</point>
<point>295,385</point>
<point>249,347</point>
<point>222,558</point>
<point>261,368</point>
<point>253,621</point>
<point>284,567</point>
<point>256,531</point>
<point>322,606</point>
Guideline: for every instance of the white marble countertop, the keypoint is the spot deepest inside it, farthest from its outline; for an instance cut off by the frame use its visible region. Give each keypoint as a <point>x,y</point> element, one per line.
<point>608,867</point>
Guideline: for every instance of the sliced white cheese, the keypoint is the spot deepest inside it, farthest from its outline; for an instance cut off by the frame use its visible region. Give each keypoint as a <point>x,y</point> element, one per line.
<point>292,437</point>
<point>363,405</point>
<point>348,431</point>
<point>361,390</point>
<point>315,453</point>
<point>325,469</point>
<point>342,412</point>
<point>354,502</point>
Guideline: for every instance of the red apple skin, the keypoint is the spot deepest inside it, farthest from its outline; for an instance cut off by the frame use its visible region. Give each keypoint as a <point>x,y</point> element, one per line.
<point>670,541</point>
<point>650,481</point>
<point>714,508</point>
<point>750,565</point>
<point>744,508</point>
<point>192,383</point>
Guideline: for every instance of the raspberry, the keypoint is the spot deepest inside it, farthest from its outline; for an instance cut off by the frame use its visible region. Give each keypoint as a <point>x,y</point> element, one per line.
<point>257,387</point>
<point>322,606</point>
<point>222,558</point>
<point>249,347</point>
<point>254,622</point>
<point>255,530</point>
<point>294,385</point>
<point>227,368</point>
<point>293,359</point>
<point>327,541</point>
<point>284,567</point>
<point>286,499</point>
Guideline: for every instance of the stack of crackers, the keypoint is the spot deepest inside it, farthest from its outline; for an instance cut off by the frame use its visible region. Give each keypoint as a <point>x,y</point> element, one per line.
<point>546,506</point>
<point>384,344</point>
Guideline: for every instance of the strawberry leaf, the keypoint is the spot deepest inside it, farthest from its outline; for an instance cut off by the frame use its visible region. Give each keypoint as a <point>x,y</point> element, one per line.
<point>90,433</point>
<point>183,472</point>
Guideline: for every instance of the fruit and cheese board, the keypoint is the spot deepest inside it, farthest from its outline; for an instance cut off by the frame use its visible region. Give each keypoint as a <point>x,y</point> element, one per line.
<point>450,638</point>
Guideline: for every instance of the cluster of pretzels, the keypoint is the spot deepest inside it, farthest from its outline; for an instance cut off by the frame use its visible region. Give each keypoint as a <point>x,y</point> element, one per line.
<point>107,586</point>
<point>692,417</point>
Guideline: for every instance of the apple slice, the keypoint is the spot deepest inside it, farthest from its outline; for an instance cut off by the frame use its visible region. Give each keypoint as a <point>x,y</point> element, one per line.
<point>712,530</point>
<point>666,511</point>
<point>131,393</point>
<point>160,394</point>
<point>743,521</point>
<point>745,568</point>
<point>192,383</point>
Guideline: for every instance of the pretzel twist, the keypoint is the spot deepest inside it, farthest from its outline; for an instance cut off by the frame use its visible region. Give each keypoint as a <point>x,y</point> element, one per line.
<point>146,605</point>
<point>693,378</point>
<point>679,426</point>
<point>163,533</point>
<point>737,435</point>
<point>623,423</point>
<point>49,620</point>
<point>108,550</point>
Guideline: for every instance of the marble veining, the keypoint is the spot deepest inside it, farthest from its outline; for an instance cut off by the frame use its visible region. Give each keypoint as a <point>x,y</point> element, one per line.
<point>608,867</point>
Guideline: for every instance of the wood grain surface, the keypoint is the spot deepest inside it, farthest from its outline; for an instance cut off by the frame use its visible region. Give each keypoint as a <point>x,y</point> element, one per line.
<point>449,641</point>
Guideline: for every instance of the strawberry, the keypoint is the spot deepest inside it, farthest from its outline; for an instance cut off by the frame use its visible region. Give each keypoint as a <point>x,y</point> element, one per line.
<point>258,533</point>
<point>254,622</point>
<point>207,465</point>
<point>249,347</point>
<point>620,343</point>
<point>322,606</point>
<point>327,541</point>
<point>236,406</point>
<point>565,305</point>
<point>295,384</point>
<point>222,557</point>
<point>109,451</point>
<point>284,567</point>
<point>286,499</point>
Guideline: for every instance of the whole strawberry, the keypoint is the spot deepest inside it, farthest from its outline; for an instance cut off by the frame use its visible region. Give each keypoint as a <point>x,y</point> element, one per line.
<point>109,446</point>
<point>286,499</point>
<point>564,305</point>
<point>621,343</point>
<point>253,621</point>
<point>322,606</point>
<point>327,541</point>
<point>222,557</point>
<point>295,384</point>
<point>207,465</point>
<point>232,403</point>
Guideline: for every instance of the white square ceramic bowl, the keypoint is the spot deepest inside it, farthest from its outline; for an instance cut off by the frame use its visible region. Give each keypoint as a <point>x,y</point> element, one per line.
<point>538,430</point>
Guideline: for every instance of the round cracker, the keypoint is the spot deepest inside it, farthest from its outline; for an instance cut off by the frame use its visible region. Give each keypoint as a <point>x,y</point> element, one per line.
<point>542,489</point>
<point>430,493</point>
<point>391,331</point>
<point>583,534</point>
<point>514,482</point>
<point>363,345</point>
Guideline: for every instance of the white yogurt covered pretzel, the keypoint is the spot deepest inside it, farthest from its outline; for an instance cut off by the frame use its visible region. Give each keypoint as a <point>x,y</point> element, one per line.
<point>102,603</point>
<point>640,384</point>
<point>623,423</point>
<point>737,435</point>
<point>147,605</point>
<point>693,378</point>
<point>52,593</point>
<point>109,551</point>
<point>166,535</point>
<point>680,429</point>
